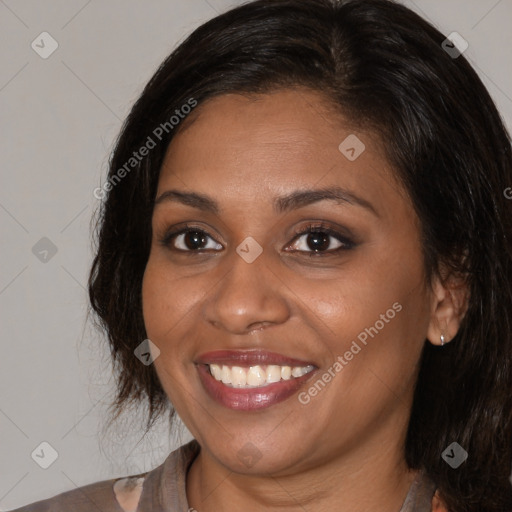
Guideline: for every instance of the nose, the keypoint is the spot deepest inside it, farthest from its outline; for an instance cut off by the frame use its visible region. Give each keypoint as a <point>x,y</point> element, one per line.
<point>249,297</point>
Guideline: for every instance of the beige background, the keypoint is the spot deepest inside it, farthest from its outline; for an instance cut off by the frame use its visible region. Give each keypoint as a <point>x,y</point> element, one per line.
<point>60,116</point>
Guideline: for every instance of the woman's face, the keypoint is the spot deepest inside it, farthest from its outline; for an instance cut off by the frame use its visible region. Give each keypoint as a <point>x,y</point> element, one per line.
<point>346,306</point>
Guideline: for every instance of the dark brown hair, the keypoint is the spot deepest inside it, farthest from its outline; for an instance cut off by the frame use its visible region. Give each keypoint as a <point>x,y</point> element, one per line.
<point>385,68</point>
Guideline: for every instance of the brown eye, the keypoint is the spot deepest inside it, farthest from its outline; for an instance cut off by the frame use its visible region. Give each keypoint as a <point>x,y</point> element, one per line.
<point>194,240</point>
<point>190,240</point>
<point>321,240</point>
<point>318,241</point>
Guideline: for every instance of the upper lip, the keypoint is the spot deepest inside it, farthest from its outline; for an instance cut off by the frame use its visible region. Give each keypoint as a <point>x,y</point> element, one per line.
<point>249,358</point>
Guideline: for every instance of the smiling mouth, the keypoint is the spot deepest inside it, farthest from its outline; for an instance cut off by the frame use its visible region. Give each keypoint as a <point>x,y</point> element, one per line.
<point>258,376</point>
<point>251,380</point>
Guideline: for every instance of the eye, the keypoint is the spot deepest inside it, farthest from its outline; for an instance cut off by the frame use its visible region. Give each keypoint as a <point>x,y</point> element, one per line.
<point>319,239</point>
<point>315,239</point>
<point>189,239</point>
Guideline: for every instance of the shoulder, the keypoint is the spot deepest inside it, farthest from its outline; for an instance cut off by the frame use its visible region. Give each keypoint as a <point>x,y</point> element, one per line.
<point>96,496</point>
<point>163,486</point>
<point>115,495</point>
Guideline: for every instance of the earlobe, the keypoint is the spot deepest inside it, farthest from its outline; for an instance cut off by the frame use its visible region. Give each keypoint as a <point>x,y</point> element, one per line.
<point>448,306</point>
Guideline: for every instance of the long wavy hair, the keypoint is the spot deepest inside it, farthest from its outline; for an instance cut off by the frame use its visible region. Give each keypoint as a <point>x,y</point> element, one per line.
<point>386,70</point>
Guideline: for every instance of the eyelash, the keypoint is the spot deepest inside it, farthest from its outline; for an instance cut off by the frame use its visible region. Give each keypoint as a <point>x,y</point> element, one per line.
<point>322,228</point>
<point>347,244</point>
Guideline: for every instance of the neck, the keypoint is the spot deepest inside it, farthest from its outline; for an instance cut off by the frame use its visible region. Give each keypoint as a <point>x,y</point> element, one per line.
<point>366,480</point>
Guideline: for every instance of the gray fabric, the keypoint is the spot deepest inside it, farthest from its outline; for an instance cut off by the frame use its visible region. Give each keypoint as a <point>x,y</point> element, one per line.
<point>96,497</point>
<point>164,490</point>
<point>419,497</point>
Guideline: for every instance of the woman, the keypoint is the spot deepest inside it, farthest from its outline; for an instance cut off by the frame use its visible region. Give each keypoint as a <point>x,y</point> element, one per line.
<point>305,249</point>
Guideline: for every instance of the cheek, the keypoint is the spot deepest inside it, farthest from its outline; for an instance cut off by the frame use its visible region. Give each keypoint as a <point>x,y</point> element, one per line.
<point>381,307</point>
<point>165,304</point>
<point>165,301</point>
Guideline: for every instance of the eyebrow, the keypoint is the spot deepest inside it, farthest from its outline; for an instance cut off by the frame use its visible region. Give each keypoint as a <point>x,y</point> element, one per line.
<point>293,201</point>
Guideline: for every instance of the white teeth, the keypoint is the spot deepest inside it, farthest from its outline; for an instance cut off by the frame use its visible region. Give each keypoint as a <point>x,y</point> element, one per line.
<point>299,371</point>
<point>216,371</point>
<point>226,375</point>
<point>256,376</point>
<point>273,373</point>
<point>296,371</point>
<point>286,373</point>
<point>238,377</point>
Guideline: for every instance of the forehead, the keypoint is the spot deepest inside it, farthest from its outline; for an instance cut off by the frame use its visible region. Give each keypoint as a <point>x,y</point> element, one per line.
<point>276,141</point>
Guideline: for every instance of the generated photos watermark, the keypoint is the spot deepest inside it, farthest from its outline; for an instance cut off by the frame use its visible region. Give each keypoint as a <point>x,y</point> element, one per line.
<point>151,142</point>
<point>355,348</point>
<point>454,45</point>
<point>454,455</point>
<point>146,352</point>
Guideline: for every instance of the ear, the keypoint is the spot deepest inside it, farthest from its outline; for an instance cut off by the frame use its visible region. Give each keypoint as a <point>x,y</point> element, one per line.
<point>449,303</point>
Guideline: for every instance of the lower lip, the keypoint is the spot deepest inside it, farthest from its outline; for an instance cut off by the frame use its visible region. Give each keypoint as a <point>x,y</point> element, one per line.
<point>250,399</point>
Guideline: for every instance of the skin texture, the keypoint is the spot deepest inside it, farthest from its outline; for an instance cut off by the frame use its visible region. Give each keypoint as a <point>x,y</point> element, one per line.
<point>348,440</point>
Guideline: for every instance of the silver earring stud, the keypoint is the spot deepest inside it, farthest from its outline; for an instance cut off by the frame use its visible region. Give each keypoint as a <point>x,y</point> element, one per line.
<point>442,340</point>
